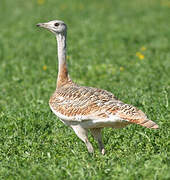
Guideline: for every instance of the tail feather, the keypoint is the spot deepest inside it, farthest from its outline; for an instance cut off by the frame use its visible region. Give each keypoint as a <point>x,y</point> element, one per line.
<point>138,117</point>
<point>149,124</point>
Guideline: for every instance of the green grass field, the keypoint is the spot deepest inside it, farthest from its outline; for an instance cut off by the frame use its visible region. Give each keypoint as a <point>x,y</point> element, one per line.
<point>121,46</point>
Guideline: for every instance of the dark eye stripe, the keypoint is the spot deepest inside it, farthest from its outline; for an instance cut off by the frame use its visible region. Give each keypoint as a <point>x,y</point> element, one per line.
<point>56,24</point>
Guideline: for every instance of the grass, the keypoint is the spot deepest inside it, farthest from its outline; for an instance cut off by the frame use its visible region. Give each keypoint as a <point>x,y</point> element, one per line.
<point>121,46</point>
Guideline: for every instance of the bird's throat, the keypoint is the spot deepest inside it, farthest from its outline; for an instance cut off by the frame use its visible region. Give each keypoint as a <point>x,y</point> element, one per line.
<point>62,66</point>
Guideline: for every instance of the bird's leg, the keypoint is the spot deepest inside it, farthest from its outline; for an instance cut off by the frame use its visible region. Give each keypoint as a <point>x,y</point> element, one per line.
<point>82,134</point>
<point>96,132</point>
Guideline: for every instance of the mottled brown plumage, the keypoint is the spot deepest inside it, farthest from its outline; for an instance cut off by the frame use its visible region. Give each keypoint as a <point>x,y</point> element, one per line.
<point>81,103</point>
<point>85,108</point>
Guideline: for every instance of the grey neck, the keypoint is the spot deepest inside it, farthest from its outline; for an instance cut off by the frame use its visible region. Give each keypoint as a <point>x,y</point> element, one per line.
<point>63,77</point>
<point>61,42</point>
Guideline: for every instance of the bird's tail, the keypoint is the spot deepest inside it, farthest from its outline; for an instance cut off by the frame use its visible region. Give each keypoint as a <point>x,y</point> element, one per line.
<point>133,115</point>
<point>148,124</point>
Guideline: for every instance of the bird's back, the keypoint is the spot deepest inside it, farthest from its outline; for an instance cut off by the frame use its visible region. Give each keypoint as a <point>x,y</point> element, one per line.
<point>94,107</point>
<point>75,101</point>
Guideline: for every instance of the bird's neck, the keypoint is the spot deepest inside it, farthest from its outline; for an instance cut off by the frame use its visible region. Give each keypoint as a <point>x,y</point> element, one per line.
<point>63,77</point>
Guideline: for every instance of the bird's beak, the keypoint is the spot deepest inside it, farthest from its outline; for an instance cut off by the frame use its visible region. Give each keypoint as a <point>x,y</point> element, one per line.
<point>43,25</point>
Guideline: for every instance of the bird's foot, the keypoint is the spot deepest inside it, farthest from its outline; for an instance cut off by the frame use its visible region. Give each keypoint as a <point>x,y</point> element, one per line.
<point>90,149</point>
<point>103,151</point>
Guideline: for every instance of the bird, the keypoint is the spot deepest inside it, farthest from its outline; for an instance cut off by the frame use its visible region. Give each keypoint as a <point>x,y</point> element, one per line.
<point>85,108</point>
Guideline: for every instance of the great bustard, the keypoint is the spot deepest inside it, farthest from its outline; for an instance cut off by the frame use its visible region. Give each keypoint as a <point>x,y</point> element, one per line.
<point>85,108</point>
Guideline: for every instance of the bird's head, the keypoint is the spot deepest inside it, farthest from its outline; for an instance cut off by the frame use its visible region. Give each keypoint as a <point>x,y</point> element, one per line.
<point>56,26</point>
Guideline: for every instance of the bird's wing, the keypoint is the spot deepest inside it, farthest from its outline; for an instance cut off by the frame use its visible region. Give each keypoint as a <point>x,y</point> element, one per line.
<point>78,103</point>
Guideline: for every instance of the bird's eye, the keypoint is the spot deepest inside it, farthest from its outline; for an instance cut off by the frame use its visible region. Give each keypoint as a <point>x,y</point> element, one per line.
<point>56,24</point>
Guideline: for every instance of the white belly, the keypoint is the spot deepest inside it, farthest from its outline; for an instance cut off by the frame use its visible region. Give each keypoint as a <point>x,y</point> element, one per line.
<point>113,121</point>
